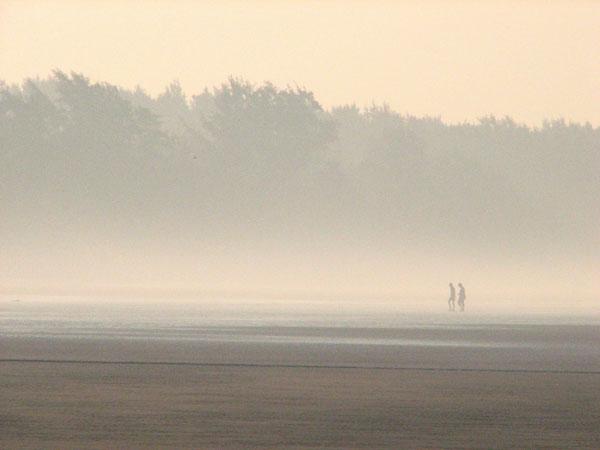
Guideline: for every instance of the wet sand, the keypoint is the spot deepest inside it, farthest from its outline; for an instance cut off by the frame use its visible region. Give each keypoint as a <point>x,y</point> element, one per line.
<point>531,347</point>
<point>91,405</point>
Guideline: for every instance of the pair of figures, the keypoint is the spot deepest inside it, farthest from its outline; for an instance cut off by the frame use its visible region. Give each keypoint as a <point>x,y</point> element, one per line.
<point>461,298</point>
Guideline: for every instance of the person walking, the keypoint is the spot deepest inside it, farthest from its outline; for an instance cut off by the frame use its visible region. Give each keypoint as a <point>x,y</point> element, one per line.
<point>461,297</point>
<point>452,299</point>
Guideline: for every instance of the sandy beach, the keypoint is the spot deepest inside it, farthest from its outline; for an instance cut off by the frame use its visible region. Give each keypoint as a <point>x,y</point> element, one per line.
<point>72,381</point>
<point>49,405</point>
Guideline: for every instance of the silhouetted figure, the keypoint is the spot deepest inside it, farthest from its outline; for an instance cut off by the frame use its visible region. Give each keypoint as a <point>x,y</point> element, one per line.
<point>452,299</point>
<point>461,297</point>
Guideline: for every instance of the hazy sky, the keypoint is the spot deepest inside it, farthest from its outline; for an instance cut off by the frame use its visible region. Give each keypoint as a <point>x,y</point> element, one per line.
<point>456,59</point>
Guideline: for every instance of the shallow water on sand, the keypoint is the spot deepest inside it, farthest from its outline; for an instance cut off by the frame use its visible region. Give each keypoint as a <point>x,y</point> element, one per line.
<point>367,323</point>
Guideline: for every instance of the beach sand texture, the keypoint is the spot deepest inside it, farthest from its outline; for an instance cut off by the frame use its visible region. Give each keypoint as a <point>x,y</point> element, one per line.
<point>485,383</point>
<point>86,405</point>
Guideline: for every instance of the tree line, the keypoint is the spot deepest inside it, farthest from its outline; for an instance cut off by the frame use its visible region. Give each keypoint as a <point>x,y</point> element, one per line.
<point>246,160</point>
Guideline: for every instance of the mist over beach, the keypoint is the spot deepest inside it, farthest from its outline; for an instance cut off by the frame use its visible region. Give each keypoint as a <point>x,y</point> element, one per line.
<point>286,149</point>
<point>255,187</point>
<point>299,224</point>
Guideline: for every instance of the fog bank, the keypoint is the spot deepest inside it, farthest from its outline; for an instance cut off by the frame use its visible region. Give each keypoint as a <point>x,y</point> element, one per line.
<point>259,188</point>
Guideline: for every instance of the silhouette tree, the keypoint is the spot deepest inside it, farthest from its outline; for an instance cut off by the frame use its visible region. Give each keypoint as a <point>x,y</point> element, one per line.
<point>261,158</point>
